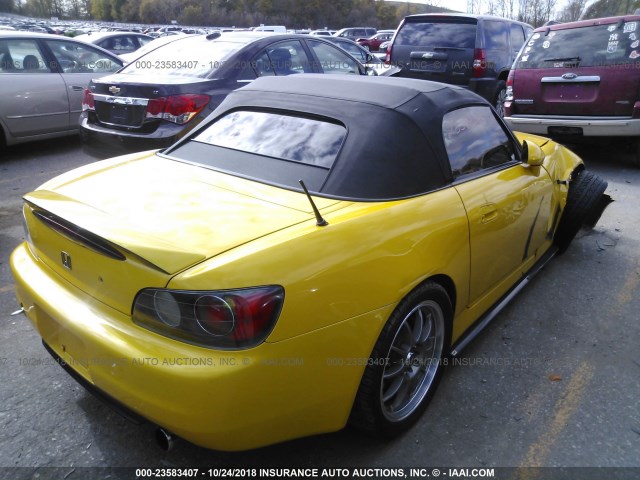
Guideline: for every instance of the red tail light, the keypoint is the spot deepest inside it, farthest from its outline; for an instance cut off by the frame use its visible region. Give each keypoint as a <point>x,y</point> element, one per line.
<point>510,78</point>
<point>155,107</point>
<point>387,57</point>
<point>177,108</point>
<point>479,62</point>
<point>239,318</point>
<point>88,102</point>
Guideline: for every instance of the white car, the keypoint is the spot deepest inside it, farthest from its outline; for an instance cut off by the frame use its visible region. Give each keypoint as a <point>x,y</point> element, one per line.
<point>118,43</point>
<point>150,46</point>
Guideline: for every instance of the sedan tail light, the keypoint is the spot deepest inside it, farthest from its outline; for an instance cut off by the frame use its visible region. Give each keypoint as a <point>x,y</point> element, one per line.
<point>387,57</point>
<point>178,109</point>
<point>229,319</point>
<point>88,102</point>
<point>479,62</point>
<point>509,97</point>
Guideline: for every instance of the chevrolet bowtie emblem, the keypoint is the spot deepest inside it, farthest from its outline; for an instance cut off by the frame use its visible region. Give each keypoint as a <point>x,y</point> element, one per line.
<point>113,89</point>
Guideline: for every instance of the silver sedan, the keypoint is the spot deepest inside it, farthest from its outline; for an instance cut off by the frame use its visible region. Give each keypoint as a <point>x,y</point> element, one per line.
<point>42,80</point>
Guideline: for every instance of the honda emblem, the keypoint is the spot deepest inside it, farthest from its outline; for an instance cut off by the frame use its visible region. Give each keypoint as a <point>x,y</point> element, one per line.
<point>66,260</point>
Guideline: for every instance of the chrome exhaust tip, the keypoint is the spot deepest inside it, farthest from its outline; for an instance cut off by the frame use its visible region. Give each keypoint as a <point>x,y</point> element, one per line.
<point>164,439</point>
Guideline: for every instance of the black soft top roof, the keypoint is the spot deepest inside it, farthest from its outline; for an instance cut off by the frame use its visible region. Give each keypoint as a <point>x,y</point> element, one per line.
<point>394,145</point>
<point>379,91</point>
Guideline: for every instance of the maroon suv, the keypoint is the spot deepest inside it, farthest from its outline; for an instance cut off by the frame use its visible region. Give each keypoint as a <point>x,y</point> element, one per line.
<point>579,79</point>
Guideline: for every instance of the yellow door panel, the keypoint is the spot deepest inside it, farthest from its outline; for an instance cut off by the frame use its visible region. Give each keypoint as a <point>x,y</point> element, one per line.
<point>509,212</point>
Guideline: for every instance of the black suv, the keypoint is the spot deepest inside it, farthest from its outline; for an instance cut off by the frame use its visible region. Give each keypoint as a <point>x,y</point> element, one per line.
<point>473,51</point>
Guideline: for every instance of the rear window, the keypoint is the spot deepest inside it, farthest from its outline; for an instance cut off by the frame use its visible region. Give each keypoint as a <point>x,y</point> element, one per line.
<point>297,139</point>
<point>590,46</point>
<point>497,35</point>
<point>191,57</point>
<point>440,32</point>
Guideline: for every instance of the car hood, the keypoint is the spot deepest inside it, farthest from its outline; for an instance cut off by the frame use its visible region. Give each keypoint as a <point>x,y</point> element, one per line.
<point>169,213</point>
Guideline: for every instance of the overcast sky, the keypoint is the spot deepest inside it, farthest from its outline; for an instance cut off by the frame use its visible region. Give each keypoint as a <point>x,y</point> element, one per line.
<point>461,5</point>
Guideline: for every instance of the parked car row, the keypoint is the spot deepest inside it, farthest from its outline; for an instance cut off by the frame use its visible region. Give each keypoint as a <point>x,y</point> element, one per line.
<point>166,88</point>
<point>570,93</point>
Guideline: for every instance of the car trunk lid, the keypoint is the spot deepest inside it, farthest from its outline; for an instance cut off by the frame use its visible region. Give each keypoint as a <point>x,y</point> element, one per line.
<point>115,230</point>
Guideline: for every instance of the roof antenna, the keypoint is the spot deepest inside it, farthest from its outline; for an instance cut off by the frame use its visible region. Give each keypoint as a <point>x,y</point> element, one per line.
<point>321,222</point>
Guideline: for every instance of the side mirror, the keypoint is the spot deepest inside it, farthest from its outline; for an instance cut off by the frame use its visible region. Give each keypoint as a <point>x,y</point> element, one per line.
<point>532,154</point>
<point>370,71</point>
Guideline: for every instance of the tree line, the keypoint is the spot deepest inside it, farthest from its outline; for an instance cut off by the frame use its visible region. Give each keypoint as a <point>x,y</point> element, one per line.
<point>304,13</point>
<point>241,13</point>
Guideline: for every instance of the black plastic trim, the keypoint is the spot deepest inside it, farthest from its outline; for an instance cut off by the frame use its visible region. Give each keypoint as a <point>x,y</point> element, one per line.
<point>78,235</point>
<point>119,408</point>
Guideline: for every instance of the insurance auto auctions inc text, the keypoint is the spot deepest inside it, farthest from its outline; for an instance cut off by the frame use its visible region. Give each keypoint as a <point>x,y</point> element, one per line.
<point>375,473</point>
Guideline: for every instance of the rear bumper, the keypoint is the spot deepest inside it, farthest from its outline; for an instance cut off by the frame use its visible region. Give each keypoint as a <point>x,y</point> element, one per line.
<point>225,400</point>
<point>163,136</point>
<point>590,126</point>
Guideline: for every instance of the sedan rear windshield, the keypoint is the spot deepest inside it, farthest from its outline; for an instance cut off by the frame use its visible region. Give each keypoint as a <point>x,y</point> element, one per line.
<point>444,32</point>
<point>590,46</point>
<point>191,57</point>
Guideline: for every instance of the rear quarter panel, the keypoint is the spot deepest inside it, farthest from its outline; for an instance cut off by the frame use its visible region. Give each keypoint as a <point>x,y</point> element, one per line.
<point>369,256</point>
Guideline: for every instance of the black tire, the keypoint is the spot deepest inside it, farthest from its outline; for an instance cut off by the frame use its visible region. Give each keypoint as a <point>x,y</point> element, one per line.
<point>499,97</point>
<point>585,192</point>
<point>407,360</point>
<point>3,142</point>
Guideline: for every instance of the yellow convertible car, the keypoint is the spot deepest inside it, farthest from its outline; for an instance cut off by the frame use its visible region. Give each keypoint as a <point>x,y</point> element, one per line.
<point>281,271</point>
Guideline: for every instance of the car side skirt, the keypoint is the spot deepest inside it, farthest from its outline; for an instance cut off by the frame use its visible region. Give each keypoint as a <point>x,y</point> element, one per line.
<point>483,321</point>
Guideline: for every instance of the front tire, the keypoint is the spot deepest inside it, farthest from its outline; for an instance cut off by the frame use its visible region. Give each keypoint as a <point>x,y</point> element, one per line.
<point>583,198</point>
<point>406,363</point>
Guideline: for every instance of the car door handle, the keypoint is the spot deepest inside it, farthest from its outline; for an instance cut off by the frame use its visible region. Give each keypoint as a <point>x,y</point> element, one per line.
<point>488,212</point>
<point>76,88</point>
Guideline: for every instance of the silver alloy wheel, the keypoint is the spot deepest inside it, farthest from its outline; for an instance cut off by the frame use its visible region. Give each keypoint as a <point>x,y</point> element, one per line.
<point>413,361</point>
<point>500,99</point>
